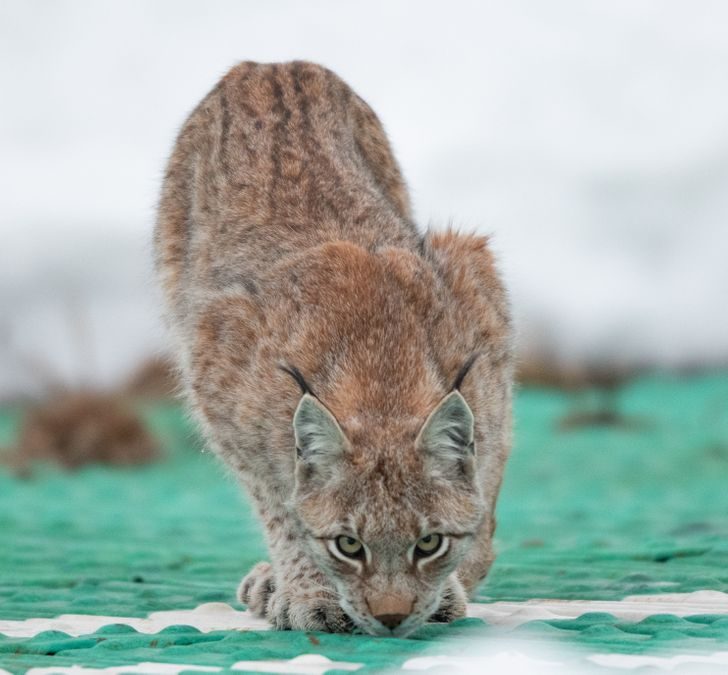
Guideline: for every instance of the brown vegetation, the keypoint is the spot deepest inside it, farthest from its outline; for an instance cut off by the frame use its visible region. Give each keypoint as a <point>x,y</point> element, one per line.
<point>77,428</point>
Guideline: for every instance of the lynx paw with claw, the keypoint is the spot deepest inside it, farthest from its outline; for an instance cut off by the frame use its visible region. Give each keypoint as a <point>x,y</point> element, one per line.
<point>308,610</point>
<point>256,588</point>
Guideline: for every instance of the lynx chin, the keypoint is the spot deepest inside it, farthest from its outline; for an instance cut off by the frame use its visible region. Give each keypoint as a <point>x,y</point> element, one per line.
<point>353,372</point>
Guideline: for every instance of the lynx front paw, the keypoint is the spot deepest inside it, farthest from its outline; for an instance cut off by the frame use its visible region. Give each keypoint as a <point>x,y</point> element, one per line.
<point>256,588</point>
<point>307,609</point>
<point>453,603</point>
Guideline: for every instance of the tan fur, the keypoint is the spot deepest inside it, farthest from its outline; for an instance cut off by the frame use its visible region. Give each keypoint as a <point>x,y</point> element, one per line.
<point>285,237</point>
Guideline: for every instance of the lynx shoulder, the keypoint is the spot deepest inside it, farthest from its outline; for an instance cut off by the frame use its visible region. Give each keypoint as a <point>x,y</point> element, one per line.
<point>354,372</point>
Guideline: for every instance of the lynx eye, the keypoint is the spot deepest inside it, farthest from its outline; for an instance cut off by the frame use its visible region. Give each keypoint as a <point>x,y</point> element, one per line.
<point>350,547</point>
<point>428,545</point>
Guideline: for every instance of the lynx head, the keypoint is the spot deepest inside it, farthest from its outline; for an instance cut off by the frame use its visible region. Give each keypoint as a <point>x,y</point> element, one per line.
<point>388,522</point>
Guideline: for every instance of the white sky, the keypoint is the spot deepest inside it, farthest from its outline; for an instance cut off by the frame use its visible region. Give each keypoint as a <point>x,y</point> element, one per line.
<point>591,139</point>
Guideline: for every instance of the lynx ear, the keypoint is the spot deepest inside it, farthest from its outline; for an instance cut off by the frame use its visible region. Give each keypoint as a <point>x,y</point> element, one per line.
<point>320,441</point>
<point>447,438</point>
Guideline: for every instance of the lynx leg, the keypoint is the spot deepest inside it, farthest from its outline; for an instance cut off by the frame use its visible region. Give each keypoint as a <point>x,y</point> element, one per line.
<point>290,591</point>
<point>303,598</point>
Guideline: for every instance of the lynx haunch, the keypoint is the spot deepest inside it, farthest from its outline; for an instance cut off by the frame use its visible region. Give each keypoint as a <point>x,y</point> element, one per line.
<point>353,372</point>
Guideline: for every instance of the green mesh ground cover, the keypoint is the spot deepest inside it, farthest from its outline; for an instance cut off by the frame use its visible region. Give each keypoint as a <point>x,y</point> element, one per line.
<point>120,645</point>
<point>182,644</point>
<point>590,512</point>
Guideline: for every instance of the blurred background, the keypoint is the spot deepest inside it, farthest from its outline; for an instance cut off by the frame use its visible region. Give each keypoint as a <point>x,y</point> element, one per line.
<point>590,139</point>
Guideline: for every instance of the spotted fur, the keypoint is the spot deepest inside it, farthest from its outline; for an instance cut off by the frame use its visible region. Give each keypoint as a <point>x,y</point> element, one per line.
<point>285,244</point>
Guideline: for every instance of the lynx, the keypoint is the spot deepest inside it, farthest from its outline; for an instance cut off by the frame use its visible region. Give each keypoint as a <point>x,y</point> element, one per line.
<point>352,372</point>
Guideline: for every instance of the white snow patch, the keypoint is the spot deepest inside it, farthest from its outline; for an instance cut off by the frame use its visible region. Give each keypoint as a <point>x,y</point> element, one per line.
<point>680,662</point>
<point>144,667</point>
<point>220,616</point>
<point>541,659</point>
<point>207,617</point>
<point>511,661</point>
<point>632,608</point>
<point>305,664</point>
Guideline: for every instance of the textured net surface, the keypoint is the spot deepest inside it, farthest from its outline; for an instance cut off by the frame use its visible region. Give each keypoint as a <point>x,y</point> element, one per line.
<point>638,505</point>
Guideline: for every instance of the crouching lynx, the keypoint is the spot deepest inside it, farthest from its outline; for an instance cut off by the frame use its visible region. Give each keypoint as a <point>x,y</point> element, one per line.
<point>353,373</point>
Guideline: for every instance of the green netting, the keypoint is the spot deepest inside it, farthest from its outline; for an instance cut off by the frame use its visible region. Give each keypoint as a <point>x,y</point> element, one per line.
<point>591,512</point>
<point>600,633</point>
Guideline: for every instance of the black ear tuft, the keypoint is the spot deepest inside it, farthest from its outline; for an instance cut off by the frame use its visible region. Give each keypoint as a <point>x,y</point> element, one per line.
<point>464,371</point>
<point>295,373</point>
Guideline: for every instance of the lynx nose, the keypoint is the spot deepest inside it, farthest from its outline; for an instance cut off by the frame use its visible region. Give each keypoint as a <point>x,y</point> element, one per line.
<point>390,609</point>
<point>391,621</point>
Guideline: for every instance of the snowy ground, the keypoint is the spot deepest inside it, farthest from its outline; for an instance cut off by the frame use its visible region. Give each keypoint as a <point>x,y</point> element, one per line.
<point>503,655</point>
<point>220,616</point>
<point>590,138</point>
